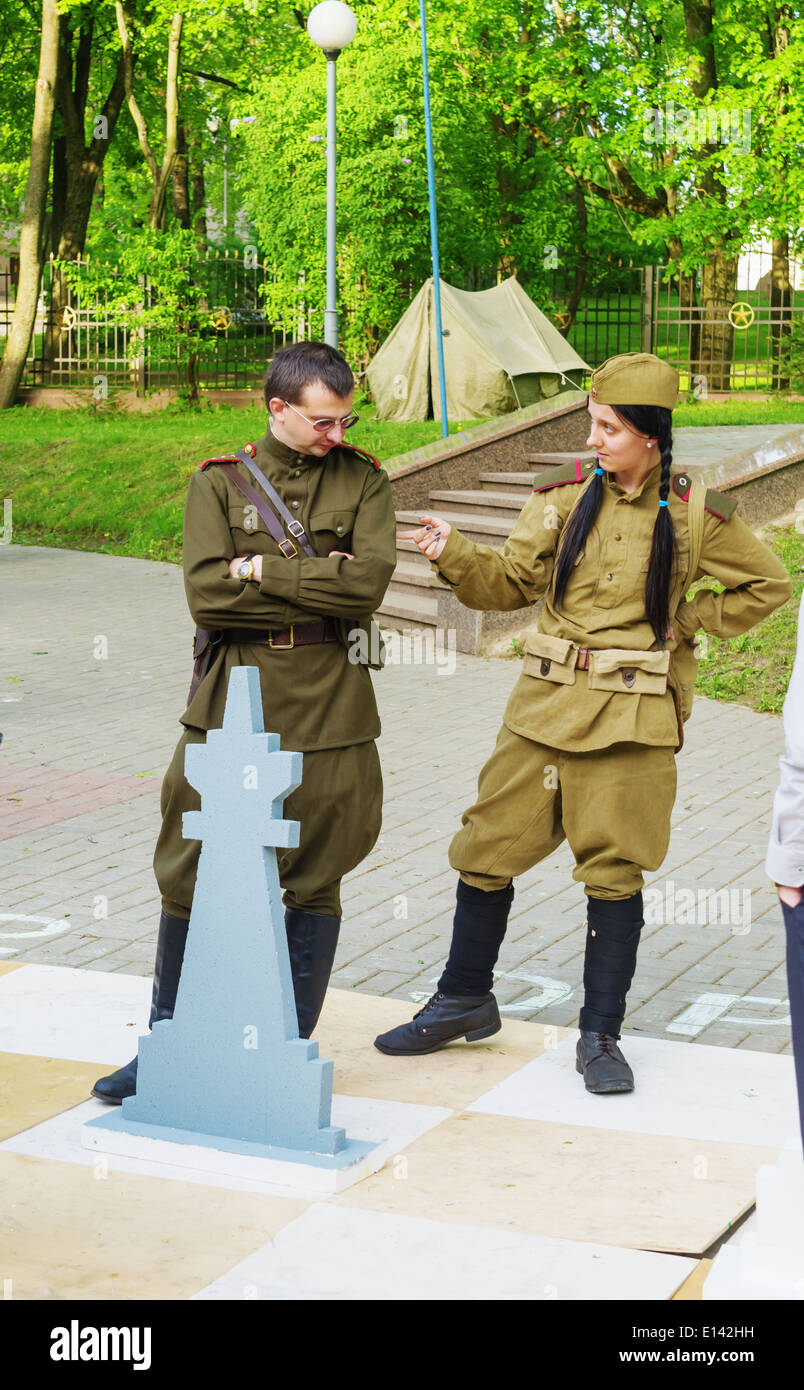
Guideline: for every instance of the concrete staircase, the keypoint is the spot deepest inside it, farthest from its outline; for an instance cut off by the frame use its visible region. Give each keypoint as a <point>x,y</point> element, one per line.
<point>486,514</point>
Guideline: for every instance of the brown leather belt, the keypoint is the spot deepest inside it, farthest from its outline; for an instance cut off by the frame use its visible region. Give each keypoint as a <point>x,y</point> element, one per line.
<point>283,639</point>
<point>582,659</point>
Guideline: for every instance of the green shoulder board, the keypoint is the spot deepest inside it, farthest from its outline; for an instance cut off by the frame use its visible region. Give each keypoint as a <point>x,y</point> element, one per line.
<point>716,502</point>
<point>575,472</point>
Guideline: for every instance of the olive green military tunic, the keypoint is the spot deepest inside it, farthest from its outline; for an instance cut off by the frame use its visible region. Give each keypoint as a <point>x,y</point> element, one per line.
<point>588,754</point>
<point>314,696</point>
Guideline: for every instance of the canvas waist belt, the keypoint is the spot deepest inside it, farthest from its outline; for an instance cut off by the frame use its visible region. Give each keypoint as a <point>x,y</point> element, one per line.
<point>557,659</point>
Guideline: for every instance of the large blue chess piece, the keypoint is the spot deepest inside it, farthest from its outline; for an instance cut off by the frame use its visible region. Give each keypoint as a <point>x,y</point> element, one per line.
<point>229,1070</point>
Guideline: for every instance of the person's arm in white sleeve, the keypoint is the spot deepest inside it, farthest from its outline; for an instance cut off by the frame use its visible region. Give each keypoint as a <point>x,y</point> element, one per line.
<point>785,858</point>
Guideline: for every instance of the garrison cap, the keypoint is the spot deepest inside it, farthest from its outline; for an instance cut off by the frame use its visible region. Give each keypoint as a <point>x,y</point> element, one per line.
<point>635,378</point>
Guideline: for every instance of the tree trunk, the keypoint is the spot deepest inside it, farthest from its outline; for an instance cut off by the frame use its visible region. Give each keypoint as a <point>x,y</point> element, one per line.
<point>582,261</point>
<point>162,175</point>
<point>781,300</point>
<point>199,203</point>
<point>31,248</point>
<point>689,312</point>
<point>78,166</point>
<point>181,183</point>
<point>58,191</point>
<point>718,285</point>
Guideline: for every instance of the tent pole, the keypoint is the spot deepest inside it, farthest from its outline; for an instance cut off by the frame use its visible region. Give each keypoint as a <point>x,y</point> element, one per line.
<point>428,130</point>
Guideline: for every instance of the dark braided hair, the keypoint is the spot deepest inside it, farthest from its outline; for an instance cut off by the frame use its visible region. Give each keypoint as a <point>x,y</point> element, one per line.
<point>654,421</point>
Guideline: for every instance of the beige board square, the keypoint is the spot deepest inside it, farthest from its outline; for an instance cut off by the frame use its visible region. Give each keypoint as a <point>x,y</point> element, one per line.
<point>645,1191</point>
<point>65,1233</point>
<point>454,1077</point>
<point>32,1089</point>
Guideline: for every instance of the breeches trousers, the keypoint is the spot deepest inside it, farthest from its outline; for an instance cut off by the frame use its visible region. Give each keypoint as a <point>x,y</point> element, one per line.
<point>612,805</point>
<point>338,805</point>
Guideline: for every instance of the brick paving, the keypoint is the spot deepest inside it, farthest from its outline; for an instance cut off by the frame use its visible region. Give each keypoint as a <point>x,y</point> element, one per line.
<point>94,675</point>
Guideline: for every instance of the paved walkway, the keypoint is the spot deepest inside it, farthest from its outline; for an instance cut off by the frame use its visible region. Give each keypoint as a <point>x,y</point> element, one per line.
<point>94,674</point>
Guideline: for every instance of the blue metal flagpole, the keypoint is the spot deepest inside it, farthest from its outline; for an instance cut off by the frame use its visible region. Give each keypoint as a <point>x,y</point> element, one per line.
<point>428,130</point>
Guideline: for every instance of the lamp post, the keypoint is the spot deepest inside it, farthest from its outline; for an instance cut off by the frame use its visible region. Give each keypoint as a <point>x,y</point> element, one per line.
<point>428,133</point>
<point>332,26</point>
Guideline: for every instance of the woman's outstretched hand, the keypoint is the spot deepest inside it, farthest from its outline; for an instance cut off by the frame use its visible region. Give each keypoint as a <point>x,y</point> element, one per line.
<point>431,536</point>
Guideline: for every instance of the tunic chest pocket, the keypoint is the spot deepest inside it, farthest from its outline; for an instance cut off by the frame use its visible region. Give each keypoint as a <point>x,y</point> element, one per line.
<point>336,524</point>
<point>243,516</point>
<point>550,658</point>
<point>682,561</point>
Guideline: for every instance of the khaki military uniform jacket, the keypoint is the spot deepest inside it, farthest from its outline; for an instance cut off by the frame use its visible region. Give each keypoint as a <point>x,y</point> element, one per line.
<point>314,696</point>
<point>604,605</point>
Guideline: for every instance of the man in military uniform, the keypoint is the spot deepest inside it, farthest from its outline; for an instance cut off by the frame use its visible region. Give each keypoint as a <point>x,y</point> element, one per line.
<point>587,748</point>
<point>265,602</point>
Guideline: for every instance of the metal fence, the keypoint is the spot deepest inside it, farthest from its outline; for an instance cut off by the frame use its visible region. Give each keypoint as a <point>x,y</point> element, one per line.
<point>753,340</point>
<point>77,341</point>
<point>760,332</point>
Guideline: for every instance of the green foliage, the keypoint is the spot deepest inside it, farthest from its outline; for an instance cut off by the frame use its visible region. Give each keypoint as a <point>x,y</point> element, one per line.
<point>170,310</point>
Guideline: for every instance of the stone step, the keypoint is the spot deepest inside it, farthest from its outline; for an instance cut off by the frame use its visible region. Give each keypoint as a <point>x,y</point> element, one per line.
<point>521,484</point>
<point>556,460</point>
<point>403,607</point>
<point>413,579</point>
<point>505,505</point>
<point>486,530</point>
<point>408,553</point>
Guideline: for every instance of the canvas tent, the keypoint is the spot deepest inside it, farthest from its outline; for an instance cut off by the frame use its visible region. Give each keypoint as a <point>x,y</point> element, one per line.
<point>500,353</point>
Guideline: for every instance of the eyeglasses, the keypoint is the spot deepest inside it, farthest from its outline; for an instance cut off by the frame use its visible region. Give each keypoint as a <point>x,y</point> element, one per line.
<point>321,426</point>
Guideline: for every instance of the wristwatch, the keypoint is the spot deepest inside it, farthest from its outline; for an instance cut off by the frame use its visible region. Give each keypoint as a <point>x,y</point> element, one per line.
<point>245,570</point>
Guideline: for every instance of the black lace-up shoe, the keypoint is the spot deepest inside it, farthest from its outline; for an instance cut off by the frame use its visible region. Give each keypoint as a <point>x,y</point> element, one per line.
<point>604,1068</point>
<point>443,1018</point>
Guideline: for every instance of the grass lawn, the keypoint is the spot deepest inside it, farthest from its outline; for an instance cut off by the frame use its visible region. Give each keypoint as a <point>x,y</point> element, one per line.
<point>114,482</point>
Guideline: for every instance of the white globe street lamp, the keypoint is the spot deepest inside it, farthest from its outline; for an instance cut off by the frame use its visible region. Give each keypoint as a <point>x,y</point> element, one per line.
<point>332,26</point>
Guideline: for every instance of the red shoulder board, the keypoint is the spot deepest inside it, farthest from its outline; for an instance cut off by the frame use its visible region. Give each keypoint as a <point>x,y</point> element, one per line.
<point>576,472</point>
<point>715,502</point>
<point>369,458</point>
<point>229,458</point>
<point>225,458</point>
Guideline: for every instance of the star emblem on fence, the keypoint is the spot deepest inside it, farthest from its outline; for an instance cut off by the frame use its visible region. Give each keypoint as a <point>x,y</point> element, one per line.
<point>68,317</point>
<point>222,318</point>
<point>562,318</point>
<point>741,314</point>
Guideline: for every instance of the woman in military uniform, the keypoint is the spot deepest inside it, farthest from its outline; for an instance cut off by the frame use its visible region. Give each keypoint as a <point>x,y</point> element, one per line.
<point>587,747</point>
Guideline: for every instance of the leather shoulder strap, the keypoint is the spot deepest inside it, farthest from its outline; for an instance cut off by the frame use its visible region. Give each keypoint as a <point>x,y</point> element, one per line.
<point>696,499</point>
<point>246,457</point>
<point>284,542</point>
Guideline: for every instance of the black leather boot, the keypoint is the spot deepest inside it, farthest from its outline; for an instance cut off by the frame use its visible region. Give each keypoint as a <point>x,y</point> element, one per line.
<point>463,1005</point>
<point>167,972</point>
<point>312,941</point>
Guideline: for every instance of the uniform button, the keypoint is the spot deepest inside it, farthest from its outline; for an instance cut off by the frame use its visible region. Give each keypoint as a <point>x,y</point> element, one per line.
<point>618,537</point>
<point>294,504</point>
<point>609,576</point>
<point>339,527</point>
